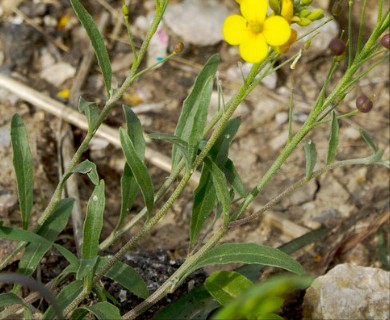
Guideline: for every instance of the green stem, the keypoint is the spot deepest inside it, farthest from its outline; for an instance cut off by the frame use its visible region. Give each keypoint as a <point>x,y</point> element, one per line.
<point>173,281</point>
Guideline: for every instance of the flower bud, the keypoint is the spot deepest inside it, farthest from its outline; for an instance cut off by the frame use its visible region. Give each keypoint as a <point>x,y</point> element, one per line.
<point>364,104</point>
<point>337,47</point>
<point>303,22</point>
<point>336,8</point>
<point>275,6</point>
<point>316,14</point>
<point>385,41</point>
<point>125,10</point>
<point>306,2</point>
<point>178,47</point>
<point>304,13</point>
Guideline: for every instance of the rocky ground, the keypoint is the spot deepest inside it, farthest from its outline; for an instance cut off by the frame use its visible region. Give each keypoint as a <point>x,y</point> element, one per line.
<point>42,46</point>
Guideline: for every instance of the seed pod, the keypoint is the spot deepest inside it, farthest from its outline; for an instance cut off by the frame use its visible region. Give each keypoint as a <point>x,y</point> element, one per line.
<point>364,104</point>
<point>178,47</point>
<point>337,47</point>
<point>385,41</point>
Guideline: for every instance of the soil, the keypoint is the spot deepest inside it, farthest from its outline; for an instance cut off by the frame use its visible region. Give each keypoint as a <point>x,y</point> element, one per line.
<point>352,202</point>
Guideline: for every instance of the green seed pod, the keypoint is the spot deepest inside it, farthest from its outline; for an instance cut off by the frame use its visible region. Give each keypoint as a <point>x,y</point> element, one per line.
<point>385,41</point>
<point>337,47</point>
<point>364,104</point>
<point>316,14</point>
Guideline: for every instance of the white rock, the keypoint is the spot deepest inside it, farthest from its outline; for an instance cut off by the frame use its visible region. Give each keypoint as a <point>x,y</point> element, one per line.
<point>197,21</point>
<point>58,73</point>
<point>349,292</point>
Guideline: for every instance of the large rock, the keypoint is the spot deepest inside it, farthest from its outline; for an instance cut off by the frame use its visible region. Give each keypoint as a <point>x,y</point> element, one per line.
<point>197,21</point>
<point>349,292</point>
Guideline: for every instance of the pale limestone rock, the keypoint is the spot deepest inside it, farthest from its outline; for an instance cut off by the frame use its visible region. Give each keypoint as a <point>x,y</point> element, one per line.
<point>58,73</point>
<point>349,292</point>
<point>197,21</point>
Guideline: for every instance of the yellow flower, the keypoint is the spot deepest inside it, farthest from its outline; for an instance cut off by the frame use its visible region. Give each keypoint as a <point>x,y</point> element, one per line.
<point>254,32</point>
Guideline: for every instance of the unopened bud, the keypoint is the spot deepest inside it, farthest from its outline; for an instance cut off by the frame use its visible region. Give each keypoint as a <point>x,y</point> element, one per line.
<point>303,22</point>
<point>364,104</point>
<point>336,8</point>
<point>178,47</point>
<point>316,14</point>
<point>337,47</point>
<point>275,6</point>
<point>304,13</point>
<point>306,2</point>
<point>385,41</point>
<point>125,10</point>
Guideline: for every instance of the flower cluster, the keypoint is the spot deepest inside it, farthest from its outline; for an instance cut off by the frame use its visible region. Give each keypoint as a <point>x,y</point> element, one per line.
<point>254,31</point>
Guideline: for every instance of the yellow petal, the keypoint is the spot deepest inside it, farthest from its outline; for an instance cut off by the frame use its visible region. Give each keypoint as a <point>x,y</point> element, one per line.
<point>255,49</point>
<point>235,30</point>
<point>287,10</point>
<point>254,10</point>
<point>276,30</point>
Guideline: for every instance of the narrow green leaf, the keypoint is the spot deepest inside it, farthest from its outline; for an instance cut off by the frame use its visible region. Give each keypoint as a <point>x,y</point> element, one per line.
<point>135,132</point>
<point>86,267</point>
<point>97,42</point>
<point>262,300</point>
<point>220,186</point>
<point>93,223</point>
<point>89,168</point>
<point>129,190</point>
<point>248,253</point>
<point>196,305</point>
<point>7,299</point>
<point>204,201</point>
<point>333,140</point>
<point>69,256</point>
<point>50,230</point>
<point>193,117</point>
<point>139,170</point>
<point>104,310</point>
<point>225,286</point>
<point>126,276</point>
<point>368,139</point>
<point>311,158</point>
<point>23,166</point>
<point>234,178</point>
<point>16,234</point>
<point>180,144</point>
<point>64,298</point>
<point>91,111</point>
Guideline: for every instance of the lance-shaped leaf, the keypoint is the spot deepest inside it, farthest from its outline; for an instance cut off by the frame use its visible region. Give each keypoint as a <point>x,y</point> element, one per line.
<point>89,168</point>
<point>64,298</point>
<point>234,178</point>
<point>23,166</point>
<point>193,117</point>
<point>368,139</point>
<point>101,310</point>
<point>333,140</point>
<point>91,111</point>
<point>126,276</point>
<point>220,186</point>
<point>263,300</point>
<point>248,253</point>
<point>50,229</point>
<point>93,223</point>
<point>311,158</point>
<point>134,130</point>
<point>138,169</point>
<point>204,201</point>
<point>97,42</point>
<point>225,286</point>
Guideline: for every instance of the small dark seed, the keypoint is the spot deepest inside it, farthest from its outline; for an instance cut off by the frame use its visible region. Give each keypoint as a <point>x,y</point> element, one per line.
<point>364,104</point>
<point>385,41</point>
<point>337,47</point>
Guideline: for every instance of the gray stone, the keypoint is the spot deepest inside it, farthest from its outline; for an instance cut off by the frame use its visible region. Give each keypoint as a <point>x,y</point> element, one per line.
<point>58,73</point>
<point>349,292</point>
<point>197,21</point>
